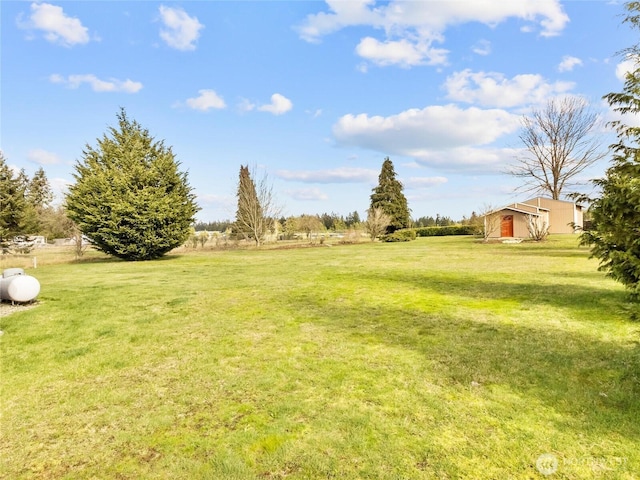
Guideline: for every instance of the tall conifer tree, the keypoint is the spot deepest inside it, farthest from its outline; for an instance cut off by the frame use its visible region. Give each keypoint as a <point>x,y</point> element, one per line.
<point>250,222</point>
<point>39,192</point>
<point>389,197</point>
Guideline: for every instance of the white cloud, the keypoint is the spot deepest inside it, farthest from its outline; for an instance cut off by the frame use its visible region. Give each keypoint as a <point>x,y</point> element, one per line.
<point>279,105</point>
<point>207,100</point>
<point>344,14</point>
<point>43,157</point>
<point>14,168</point>
<point>493,89</point>
<point>444,136</point>
<point>60,187</point>
<point>624,67</point>
<point>410,28</point>
<point>213,199</point>
<point>246,105</point>
<point>415,129</point>
<point>180,30</point>
<point>96,84</point>
<point>630,119</point>
<point>423,182</point>
<point>482,47</point>
<point>307,194</point>
<point>470,159</point>
<point>56,25</point>
<point>337,175</point>
<point>403,53</point>
<point>568,63</point>
<point>412,164</point>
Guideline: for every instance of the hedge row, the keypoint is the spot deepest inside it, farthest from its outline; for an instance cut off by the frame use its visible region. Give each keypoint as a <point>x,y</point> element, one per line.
<point>448,230</point>
<point>408,234</point>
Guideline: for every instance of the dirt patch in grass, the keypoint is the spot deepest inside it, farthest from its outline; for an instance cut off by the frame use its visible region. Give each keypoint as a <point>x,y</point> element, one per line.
<point>7,308</point>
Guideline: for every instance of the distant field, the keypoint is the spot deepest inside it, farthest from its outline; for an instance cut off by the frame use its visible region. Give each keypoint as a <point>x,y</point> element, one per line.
<point>440,358</point>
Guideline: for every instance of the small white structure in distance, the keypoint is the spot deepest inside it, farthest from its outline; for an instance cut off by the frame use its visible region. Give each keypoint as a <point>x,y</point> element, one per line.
<point>15,286</point>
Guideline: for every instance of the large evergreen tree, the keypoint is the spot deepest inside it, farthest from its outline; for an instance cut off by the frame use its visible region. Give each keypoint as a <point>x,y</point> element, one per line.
<point>389,197</point>
<point>130,198</point>
<point>615,236</point>
<point>15,217</point>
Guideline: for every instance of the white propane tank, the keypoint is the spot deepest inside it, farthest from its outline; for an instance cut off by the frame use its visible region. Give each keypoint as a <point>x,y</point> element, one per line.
<point>10,272</point>
<point>18,287</point>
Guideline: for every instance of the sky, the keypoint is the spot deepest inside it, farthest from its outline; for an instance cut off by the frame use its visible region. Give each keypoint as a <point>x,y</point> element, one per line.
<point>311,95</point>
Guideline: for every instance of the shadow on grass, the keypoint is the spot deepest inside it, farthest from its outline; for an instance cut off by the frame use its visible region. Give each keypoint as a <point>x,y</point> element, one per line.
<point>113,259</point>
<point>585,299</point>
<point>92,260</point>
<point>559,248</point>
<point>593,383</point>
<point>546,252</point>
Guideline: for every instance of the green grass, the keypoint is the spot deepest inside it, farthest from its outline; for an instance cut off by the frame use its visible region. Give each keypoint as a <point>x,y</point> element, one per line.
<point>440,358</point>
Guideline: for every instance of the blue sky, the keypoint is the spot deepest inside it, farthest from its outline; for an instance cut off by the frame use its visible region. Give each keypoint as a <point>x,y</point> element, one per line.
<point>313,94</point>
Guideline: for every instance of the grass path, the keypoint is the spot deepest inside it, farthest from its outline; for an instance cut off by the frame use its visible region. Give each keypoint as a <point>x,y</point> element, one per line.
<point>441,358</point>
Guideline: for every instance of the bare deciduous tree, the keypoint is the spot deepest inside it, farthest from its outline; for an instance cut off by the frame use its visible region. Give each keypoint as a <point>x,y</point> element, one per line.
<point>257,207</point>
<point>203,238</point>
<point>307,224</point>
<point>80,244</point>
<point>377,222</point>
<point>490,221</point>
<point>559,144</point>
<point>538,229</point>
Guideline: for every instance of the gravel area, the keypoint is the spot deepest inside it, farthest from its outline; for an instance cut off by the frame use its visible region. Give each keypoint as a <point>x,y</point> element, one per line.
<point>7,308</point>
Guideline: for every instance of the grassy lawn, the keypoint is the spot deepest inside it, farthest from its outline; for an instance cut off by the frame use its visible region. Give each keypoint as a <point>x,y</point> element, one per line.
<point>439,358</point>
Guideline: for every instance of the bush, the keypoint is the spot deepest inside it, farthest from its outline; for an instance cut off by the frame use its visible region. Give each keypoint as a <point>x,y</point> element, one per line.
<point>448,230</point>
<point>404,235</point>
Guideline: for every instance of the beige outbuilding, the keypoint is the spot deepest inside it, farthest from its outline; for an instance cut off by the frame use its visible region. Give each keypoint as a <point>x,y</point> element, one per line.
<point>514,220</point>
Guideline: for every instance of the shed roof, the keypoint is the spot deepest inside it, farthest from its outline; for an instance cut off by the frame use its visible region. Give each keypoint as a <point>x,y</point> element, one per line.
<point>518,210</point>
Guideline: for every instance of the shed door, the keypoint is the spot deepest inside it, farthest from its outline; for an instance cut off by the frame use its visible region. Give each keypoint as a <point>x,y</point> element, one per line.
<point>506,226</point>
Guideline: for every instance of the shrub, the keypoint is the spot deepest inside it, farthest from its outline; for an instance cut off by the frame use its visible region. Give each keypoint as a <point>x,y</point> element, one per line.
<point>404,235</point>
<point>448,230</point>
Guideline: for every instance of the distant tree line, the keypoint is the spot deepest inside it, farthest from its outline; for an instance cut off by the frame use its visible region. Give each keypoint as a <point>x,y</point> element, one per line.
<point>436,221</point>
<point>334,222</point>
<point>215,226</point>
<point>338,223</point>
